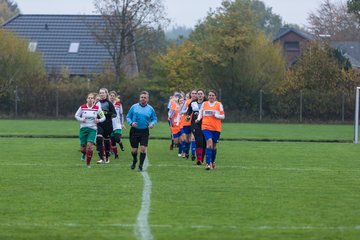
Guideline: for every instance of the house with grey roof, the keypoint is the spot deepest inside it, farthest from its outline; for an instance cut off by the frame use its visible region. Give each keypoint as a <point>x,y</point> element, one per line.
<point>292,40</point>
<point>350,50</point>
<point>65,41</point>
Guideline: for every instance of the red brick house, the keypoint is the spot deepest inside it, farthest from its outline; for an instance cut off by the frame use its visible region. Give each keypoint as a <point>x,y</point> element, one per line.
<point>292,41</point>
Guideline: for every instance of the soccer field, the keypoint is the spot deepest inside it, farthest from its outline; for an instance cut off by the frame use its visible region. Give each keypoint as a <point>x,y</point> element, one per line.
<point>260,190</point>
<point>230,131</point>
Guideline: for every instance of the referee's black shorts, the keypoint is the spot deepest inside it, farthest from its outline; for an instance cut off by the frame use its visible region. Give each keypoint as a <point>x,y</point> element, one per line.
<point>139,136</point>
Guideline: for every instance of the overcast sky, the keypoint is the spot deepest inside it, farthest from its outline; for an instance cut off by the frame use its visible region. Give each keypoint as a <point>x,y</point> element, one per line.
<point>181,12</point>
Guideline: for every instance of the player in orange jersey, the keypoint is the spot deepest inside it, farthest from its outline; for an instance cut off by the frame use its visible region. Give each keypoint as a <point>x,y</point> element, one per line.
<point>186,129</point>
<point>211,113</point>
<point>170,105</point>
<point>175,120</point>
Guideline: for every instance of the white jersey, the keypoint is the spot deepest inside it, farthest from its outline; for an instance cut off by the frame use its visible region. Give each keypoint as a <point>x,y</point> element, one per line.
<point>87,115</point>
<point>118,121</point>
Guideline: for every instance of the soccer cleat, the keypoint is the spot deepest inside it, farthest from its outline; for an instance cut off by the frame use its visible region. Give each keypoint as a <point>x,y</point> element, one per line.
<point>82,157</point>
<point>179,155</point>
<point>207,167</point>
<point>132,166</point>
<point>213,165</point>
<point>140,168</point>
<point>116,156</point>
<point>171,146</point>
<point>198,162</point>
<point>100,161</point>
<point>107,160</point>
<point>122,147</point>
<point>193,157</point>
<point>88,166</point>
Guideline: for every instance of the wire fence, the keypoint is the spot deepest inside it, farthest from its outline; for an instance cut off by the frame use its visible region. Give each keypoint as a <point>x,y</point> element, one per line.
<point>300,106</point>
<point>259,106</point>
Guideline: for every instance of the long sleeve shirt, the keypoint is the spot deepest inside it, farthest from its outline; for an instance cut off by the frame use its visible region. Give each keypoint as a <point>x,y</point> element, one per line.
<point>109,111</point>
<point>142,115</point>
<point>87,115</point>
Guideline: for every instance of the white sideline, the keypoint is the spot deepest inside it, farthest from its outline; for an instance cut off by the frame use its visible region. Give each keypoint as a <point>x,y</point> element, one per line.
<point>122,225</point>
<point>315,169</point>
<point>142,228</point>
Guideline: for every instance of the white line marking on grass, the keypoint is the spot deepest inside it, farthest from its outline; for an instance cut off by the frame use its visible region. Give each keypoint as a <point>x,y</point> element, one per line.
<point>124,225</point>
<point>71,225</point>
<point>306,228</point>
<point>142,228</point>
<point>219,166</point>
<point>315,169</point>
<point>201,227</point>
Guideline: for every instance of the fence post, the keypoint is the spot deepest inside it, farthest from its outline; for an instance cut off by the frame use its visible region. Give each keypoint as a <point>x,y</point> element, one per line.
<point>261,93</point>
<point>301,104</point>
<point>16,101</point>
<point>343,107</point>
<point>57,102</point>
<point>356,121</point>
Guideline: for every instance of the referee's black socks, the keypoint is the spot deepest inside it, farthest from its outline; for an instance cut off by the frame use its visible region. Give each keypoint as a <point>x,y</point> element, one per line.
<point>134,157</point>
<point>142,158</point>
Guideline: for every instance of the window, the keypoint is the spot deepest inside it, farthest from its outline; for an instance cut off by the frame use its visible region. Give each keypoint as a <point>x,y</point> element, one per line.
<point>74,47</point>
<point>32,46</point>
<point>292,46</point>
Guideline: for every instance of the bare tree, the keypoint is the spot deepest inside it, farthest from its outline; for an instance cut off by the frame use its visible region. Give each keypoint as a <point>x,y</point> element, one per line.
<point>126,23</point>
<point>334,21</point>
<point>8,9</point>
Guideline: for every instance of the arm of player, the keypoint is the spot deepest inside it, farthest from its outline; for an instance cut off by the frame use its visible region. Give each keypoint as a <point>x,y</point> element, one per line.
<point>220,114</point>
<point>189,110</point>
<point>200,114</point>
<point>153,118</point>
<point>129,116</point>
<point>78,115</point>
<point>102,116</point>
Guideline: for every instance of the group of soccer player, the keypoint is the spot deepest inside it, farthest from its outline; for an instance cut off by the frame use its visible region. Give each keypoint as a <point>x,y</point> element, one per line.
<point>101,122</point>
<point>195,122</point>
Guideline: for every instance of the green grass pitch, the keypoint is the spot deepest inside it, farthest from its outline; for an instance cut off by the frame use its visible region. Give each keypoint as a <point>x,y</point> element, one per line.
<point>260,190</point>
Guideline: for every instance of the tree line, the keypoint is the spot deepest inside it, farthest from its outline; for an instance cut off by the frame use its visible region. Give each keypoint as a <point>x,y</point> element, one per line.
<point>230,51</point>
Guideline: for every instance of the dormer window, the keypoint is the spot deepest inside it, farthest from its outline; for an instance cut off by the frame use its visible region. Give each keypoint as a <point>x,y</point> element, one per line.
<point>32,46</point>
<point>74,47</point>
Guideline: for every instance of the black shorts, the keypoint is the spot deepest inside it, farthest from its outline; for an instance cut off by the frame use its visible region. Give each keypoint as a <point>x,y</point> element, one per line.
<point>195,127</point>
<point>104,130</point>
<point>139,136</point>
